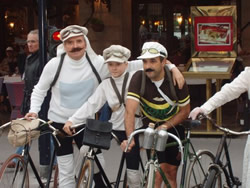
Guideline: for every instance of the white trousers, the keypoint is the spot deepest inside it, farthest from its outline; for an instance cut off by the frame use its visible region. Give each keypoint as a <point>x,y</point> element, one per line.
<point>66,171</point>
<point>246,165</point>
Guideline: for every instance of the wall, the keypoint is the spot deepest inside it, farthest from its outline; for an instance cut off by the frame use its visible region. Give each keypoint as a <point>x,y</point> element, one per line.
<point>245,18</point>
<point>117,23</point>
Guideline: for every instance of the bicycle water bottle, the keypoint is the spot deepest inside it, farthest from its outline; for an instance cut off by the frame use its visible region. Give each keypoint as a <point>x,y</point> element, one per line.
<point>149,134</point>
<point>162,136</point>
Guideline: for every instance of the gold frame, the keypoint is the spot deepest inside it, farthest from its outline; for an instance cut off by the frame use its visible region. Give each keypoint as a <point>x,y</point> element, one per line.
<point>207,74</point>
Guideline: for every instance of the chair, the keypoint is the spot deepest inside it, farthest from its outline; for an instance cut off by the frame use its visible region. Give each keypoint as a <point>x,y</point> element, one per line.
<point>15,93</point>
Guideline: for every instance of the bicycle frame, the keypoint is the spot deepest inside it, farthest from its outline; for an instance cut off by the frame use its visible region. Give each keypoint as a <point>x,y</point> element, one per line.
<point>28,160</point>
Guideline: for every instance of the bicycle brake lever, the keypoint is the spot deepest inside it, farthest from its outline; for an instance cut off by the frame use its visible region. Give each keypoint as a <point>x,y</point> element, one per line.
<point>54,134</point>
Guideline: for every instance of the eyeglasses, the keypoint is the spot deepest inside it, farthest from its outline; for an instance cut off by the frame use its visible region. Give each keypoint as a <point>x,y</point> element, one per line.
<point>31,41</point>
<point>66,33</point>
<point>152,51</point>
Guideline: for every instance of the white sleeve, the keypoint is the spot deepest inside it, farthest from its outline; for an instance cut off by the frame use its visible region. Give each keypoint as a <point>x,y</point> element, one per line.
<point>89,108</point>
<point>228,92</point>
<point>135,65</point>
<point>171,66</point>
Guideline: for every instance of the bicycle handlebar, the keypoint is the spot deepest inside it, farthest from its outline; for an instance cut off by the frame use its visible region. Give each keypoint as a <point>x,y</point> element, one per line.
<point>223,129</point>
<point>169,134</point>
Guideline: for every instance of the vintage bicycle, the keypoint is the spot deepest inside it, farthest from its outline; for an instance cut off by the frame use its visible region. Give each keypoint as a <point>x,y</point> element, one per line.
<point>84,179</point>
<point>220,172</point>
<point>19,175</point>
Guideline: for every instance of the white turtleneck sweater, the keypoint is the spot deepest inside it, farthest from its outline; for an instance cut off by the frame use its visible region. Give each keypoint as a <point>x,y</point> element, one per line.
<point>103,93</point>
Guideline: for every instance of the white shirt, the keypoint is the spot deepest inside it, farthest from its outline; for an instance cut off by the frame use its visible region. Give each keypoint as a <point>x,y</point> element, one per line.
<point>229,91</point>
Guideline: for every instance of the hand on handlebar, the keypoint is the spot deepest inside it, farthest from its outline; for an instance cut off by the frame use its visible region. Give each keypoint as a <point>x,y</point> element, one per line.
<point>195,112</point>
<point>67,128</point>
<point>31,115</point>
<point>125,143</point>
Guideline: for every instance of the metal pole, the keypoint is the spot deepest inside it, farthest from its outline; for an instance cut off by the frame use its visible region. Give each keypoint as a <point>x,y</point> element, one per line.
<point>44,140</point>
<point>42,19</point>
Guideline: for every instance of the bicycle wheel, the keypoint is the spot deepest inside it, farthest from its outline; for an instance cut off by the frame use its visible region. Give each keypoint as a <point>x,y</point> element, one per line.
<point>85,179</point>
<point>14,177</point>
<point>56,180</point>
<point>199,168</point>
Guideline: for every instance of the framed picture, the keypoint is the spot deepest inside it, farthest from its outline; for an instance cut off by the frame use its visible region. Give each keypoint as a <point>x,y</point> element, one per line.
<point>214,31</point>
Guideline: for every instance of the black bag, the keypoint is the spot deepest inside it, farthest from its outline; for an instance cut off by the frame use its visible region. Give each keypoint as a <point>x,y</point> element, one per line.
<point>97,134</point>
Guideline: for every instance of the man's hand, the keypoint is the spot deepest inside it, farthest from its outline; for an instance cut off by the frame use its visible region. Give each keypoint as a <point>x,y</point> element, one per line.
<point>177,77</point>
<point>31,115</point>
<point>67,129</point>
<point>195,112</point>
<point>125,143</point>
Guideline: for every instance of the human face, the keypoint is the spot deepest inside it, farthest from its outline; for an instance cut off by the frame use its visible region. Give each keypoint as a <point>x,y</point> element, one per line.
<point>75,47</point>
<point>154,68</point>
<point>33,43</point>
<point>117,69</point>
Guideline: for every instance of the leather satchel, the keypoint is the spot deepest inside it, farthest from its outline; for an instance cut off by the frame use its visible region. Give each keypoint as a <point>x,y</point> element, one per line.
<point>97,134</point>
<point>23,131</point>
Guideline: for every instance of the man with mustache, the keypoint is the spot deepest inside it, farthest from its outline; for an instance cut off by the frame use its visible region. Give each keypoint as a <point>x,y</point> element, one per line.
<point>158,105</point>
<point>75,84</point>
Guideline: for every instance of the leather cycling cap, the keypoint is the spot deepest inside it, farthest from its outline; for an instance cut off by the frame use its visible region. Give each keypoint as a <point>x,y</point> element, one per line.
<point>72,31</point>
<point>116,53</point>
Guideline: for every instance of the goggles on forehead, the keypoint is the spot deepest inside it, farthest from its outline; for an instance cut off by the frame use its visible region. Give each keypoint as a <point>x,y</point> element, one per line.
<point>153,51</point>
<point>66,33</point>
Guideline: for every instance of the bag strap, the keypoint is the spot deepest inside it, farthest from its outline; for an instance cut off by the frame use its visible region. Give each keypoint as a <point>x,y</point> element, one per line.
<point>58,70</point>
<point>93,69</point>
<point>120,97</point>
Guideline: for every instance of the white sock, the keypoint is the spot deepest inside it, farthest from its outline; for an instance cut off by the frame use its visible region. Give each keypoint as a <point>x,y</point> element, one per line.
<point>66,171</point>
<point>133,178</point>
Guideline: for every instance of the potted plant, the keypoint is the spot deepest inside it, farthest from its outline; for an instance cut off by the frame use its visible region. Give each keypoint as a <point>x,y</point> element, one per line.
<point>97,24</point>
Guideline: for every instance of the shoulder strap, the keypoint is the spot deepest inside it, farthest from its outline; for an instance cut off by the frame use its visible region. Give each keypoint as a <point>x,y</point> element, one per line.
<point>58,70</point>
<point>143,83</point>
<point>171,83</point>
<point>93,69</point>
<point>120,97</point>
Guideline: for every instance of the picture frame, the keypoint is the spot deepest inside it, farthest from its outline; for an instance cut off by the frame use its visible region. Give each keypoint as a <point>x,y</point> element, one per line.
<point>214,31</point>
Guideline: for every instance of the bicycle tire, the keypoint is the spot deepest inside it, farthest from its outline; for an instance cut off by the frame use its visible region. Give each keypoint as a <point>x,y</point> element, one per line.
<point>56,180</point>
<point>13,177</point>
<point>198,169</point>
<point>85,179</point>
<point>149,178</point>
<point>125,182</point>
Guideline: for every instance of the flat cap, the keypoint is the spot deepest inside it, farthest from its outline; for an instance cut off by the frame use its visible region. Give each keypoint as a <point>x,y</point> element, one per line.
<point>116,53</point>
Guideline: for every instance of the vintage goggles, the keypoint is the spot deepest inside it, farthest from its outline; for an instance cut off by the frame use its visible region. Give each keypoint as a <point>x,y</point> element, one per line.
<point>152,51</point>
<point>66,33</point>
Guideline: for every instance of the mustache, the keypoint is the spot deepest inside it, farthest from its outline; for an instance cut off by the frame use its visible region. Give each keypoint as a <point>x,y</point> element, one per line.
<point>76,49</point>
<point>149,70</point>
